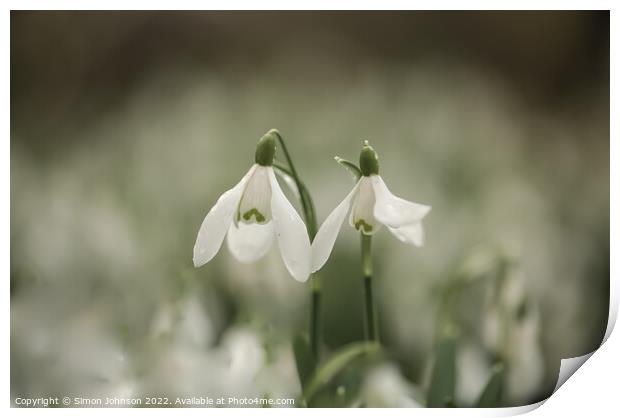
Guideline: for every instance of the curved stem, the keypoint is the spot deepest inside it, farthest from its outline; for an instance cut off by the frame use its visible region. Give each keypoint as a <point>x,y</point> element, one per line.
<point>306,200</point>
<point>371,320</point>
<point>304,195</point>
<point>310,217</point>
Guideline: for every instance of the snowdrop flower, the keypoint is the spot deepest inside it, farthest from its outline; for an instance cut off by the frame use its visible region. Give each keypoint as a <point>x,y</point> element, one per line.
<point>371,205</point>
<point>251,214</point>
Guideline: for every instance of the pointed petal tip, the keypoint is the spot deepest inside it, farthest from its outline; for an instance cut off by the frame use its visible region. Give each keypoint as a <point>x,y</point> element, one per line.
<point>316,263</point>
<point>197,262</point>
<point>215,224</point>
<point>410,234</point>
<point>325,238</point>
<point>291,233</point>
<point>302,279</point>
<point>394,211</point>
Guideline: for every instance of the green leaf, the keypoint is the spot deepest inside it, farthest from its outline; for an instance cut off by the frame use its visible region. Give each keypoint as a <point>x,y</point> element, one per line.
<point>492,394</point>
<point>304,359</point>
<point>443,378</point>
<point>351,167</point>
<point>336,363</point>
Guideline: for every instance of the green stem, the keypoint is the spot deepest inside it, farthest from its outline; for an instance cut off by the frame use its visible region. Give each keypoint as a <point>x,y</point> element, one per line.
<point>315,318</point>
<point>306,200</point>
<point>304,196</point>
<point>311,224</point>
<point>371,320</point>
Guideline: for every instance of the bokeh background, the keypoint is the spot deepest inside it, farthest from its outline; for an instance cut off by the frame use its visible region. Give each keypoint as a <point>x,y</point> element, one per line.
<point>127,126</point>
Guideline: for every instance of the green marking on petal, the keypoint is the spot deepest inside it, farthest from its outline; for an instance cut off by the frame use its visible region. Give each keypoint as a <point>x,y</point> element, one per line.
<point>361,223</point>
<point>257,215</point>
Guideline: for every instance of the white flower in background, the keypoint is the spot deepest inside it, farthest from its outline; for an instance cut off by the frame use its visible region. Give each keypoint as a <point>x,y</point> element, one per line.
<point>244,352</point>
<point>472,373</point>
<point>372,205</point>
<point>185,321</point>
<point>512,328</point>
<point>251,214</point>
<point>73,354</point>
<point>385,387</point>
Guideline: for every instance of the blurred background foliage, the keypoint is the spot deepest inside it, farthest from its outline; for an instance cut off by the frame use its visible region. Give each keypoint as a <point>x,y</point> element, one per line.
<point>127,126</point>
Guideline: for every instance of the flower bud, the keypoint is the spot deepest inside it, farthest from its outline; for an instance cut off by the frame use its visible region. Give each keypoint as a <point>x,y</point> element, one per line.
<point>266,148</point>
<point>369,160</point>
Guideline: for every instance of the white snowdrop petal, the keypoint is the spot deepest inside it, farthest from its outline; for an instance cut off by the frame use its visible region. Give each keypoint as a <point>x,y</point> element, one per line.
<point>290,232</point>
<point>410,234</point>
<point>324,240</point>
<point>362,217</point>
<point>216,223</point>
<point>255,204</point>
<point>393,211</point>
<point>249,242</point>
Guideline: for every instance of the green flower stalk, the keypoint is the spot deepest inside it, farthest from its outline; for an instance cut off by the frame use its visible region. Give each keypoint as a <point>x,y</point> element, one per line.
<point>369,303</point>
<point>311,224</point>
<point>369,165</point>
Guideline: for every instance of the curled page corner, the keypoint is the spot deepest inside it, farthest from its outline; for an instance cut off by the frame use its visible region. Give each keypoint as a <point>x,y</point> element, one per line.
<point>518,410</point>
<point>568,367</point>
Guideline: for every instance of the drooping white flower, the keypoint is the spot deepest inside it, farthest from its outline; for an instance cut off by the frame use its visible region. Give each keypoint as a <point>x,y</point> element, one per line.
<point>371,205</point>
<point>251,214</point>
